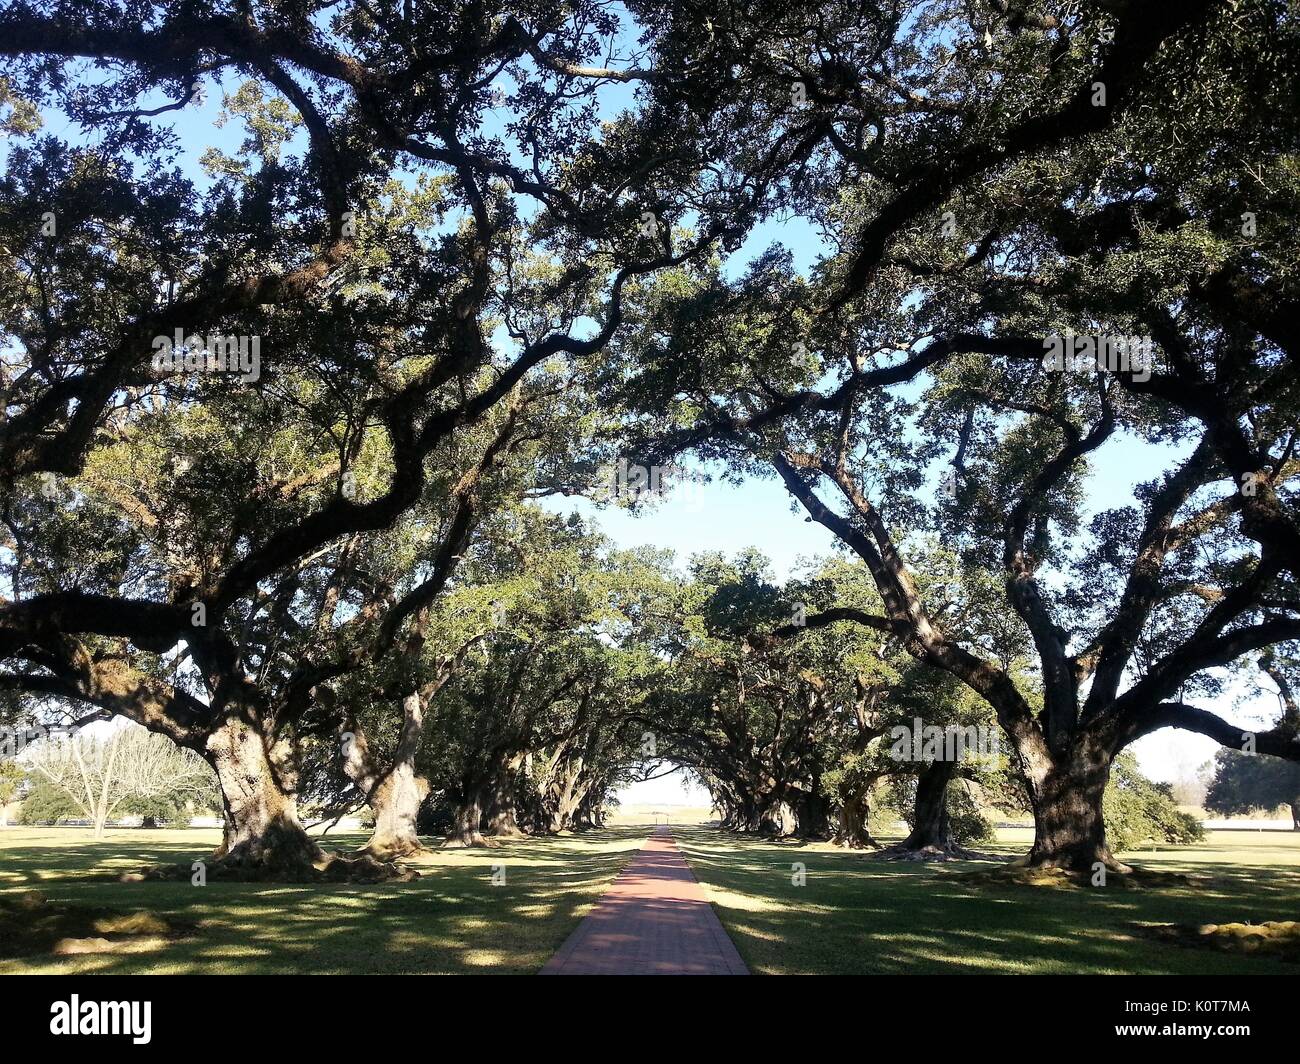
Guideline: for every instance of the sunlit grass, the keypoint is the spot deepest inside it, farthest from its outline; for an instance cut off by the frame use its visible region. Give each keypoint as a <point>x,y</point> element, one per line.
<point>452,919</point>
<point>855,915</point>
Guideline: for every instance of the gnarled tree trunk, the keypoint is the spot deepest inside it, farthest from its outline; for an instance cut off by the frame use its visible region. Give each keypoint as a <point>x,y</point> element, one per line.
<point>852,830</point>
<point>394,796</point>
<point>264,838</point>
<point>1069,828</point>
<point>591,812</point>
<point>778,820</point>
<point>565,792</point>
<point>931,836</point>
<point>931,828</point>
<point>812,814</point>
<point>466,828</point>
<point>502,820</point>
<point>396,803</point>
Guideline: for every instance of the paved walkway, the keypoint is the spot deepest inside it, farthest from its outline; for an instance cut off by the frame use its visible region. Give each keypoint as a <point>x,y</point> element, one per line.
<point>654,920</point>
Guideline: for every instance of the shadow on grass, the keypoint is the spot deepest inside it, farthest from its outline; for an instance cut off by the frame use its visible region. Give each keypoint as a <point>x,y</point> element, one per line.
<point>455,918</point>
<point>855,915</point>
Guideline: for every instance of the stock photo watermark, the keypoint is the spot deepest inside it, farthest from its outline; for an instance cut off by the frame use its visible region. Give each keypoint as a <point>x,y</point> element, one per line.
<point>919,741</point>
<point>1098,352</point>
<point>632,483</point>
<point>214,353</point>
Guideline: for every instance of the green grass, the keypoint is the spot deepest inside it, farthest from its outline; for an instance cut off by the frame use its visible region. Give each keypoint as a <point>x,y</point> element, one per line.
<point>451,920</point>
<point>852,916</point>
<point>856,916</point>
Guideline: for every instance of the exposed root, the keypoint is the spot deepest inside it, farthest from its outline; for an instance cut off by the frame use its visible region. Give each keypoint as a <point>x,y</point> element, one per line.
<point>326,868</point>
<point>363,868</point>
<point>393,849</point>
<point>1273,938</point>
<point>952,852</point>
<point>867,843</point>
<point>1021,873</point>
<point>34,925</point>
<point>1112,864</point>
<point>474,842</point>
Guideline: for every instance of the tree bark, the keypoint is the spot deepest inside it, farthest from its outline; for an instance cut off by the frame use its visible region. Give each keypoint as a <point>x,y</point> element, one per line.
<point>778,820</point>
<point>502,820</point>
<point>394,797</point>
<point>1069,828</point>
<point>852,830</point>
<point>931,834</point>
<point>931,828</point>
<point>396,804</point>
<point>264,838</point>
<point>813,815</point>
<point>591,813</point>
<point>564,793</point>
<point>466,829</point>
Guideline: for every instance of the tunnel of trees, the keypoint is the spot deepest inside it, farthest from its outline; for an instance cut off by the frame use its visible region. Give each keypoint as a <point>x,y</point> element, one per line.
<point>473,268</point>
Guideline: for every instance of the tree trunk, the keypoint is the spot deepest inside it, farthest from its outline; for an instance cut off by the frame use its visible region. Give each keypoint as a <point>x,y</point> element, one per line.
<point>931,836</point>
<point>502,821</point>
<point>148,822</point>
<point>852,830</point>
<point>395,797</point>
<point>264,838</point>
<point>396,802</point>
<point>591,813</point>
<point>931,828</point>
<point>777,820</point>
<point>565,794</point>
<point>813,815</point>
<point>1295,813</point>
<point>749,819</point>
<point>1069,828</point>
<point>466,828</point>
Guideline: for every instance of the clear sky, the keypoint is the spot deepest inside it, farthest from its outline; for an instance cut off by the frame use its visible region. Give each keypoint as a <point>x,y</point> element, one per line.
<point>675,789</point>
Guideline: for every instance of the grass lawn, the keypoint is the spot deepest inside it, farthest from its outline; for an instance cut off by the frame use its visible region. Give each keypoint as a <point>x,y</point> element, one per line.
<point>451,920</point>
<point>856,916</point>
<point>852,916</point>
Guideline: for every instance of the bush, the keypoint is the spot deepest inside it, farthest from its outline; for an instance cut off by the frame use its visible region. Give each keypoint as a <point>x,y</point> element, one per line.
<point>1138,810</point>
<point>969,824</point>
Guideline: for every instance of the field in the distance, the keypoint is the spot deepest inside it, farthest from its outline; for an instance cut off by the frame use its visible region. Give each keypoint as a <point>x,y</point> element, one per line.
<point>672,815</point>
<point>851,915</point>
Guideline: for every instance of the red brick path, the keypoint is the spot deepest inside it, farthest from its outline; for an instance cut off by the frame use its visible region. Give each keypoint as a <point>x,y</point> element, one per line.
<point>654,920</point>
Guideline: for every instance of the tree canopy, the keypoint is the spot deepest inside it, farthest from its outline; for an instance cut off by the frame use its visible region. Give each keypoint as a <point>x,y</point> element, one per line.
<point>277,421</point>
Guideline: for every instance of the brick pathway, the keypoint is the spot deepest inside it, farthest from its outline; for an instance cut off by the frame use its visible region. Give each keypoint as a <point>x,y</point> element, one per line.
<point>654,920</point>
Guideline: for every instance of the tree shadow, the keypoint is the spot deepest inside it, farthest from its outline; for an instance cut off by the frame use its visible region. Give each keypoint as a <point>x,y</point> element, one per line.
<point>458,917</point>
<point>855,916</point>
